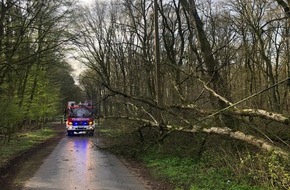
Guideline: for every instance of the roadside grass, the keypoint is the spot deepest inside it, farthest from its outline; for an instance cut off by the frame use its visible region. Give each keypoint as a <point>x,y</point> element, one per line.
<point>215,169</point>
<point>22,142</point>
<point>199,161</point>
<point>192,174</point>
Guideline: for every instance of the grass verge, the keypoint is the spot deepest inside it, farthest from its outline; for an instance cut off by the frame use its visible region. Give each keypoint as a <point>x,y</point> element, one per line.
<point>193,174</point>
<point>199,161</point>
<point>23,142</point>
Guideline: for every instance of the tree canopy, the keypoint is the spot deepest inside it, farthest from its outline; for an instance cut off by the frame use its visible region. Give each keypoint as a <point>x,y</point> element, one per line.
<point>224,65</point>
<point>35,78</point>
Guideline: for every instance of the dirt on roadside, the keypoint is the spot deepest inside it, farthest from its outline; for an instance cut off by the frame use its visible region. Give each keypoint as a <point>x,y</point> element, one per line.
<point>24,165</point>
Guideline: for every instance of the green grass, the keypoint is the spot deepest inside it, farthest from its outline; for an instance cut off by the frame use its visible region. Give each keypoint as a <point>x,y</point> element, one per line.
<point>188,173</point>
<point>184,161</point>
<point>22,142</point>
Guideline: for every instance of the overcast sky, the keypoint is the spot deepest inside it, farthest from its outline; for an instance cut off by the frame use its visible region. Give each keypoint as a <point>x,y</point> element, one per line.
<point>77,66</point>
<point>86,1</point>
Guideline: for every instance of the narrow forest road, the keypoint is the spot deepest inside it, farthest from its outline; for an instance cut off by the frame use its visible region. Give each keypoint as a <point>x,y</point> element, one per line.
<point>75,163</point>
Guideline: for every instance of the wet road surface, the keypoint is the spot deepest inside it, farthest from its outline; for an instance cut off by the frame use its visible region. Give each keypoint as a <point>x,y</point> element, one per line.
<point>76,163</point>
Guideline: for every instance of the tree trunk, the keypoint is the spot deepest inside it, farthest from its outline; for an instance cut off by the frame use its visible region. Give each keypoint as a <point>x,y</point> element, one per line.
<point>216,81</point>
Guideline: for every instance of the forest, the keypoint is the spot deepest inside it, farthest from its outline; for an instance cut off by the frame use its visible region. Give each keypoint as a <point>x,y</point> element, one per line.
<point>214,71</point>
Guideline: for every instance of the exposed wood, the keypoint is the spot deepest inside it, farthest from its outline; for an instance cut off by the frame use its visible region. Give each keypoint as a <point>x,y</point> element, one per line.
<point>240,112</point>
<point>247,112</point>
<point>262,114</point>
<point>258,142</point>
<point>239,135</point>
<point>216,94</point>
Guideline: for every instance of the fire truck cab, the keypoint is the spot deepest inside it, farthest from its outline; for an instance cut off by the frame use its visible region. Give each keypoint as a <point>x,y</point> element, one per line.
<point>79,118</point>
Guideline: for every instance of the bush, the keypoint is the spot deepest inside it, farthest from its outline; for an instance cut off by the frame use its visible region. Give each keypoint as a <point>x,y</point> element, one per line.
<point>193,174</point>
<point>200,161</point>
<point>270,170</point>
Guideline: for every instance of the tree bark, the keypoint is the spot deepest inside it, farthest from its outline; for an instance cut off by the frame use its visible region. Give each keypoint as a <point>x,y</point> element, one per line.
<point>250,139</point>
<point>212,65</point>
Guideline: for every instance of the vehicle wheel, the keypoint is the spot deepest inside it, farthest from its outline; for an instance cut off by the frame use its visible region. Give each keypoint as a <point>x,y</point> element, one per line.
<point>70,133</point>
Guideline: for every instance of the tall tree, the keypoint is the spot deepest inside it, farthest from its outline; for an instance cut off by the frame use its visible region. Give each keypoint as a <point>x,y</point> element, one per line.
<point>32,38</point>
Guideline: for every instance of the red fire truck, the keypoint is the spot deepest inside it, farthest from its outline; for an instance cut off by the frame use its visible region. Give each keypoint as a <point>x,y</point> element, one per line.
<point>79,118</point>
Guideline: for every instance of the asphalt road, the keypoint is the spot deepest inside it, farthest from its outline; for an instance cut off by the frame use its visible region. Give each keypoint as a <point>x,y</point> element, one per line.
<point>76,163</point>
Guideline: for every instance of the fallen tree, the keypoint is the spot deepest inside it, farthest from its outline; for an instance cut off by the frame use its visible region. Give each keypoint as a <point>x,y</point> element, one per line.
<point>238,135</point>
<point>194,127</point>
<point>246,112</point>
<point>262,114</point>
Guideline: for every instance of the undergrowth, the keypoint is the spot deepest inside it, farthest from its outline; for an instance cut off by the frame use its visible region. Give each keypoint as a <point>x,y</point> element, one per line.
<point>188,173</point>
<point>202,162</point>
<point>23,142</point>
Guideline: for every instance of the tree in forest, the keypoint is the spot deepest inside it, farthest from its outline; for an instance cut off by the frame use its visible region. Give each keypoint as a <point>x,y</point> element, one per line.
<point>32,39</point>
<point>217,65</point>
<point>224,68</point>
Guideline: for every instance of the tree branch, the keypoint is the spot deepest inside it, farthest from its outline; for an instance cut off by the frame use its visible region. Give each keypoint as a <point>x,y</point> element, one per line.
<point>250,112</point>
<point>250,139</point>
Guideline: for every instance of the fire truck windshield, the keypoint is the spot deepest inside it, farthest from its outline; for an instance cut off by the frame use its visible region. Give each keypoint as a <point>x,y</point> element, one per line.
<point>80,112</point>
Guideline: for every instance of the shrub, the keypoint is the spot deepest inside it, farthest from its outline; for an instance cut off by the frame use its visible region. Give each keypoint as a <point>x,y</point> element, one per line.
<point>270,170</point>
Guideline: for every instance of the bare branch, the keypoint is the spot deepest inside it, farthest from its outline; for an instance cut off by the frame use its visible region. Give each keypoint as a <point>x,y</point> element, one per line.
<point>258,142</point>
<point>250,139</point>
<point>264,114</point>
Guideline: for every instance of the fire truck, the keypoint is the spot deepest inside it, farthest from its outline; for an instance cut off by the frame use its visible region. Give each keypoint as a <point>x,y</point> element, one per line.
<point>79,118</point>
